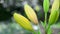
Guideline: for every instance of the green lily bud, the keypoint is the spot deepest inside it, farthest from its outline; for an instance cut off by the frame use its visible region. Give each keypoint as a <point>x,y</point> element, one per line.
<point>46,5</point>
<point>31,14</point>
<point>22,21</point>
<point>53,17</point>
<point>54,12</point>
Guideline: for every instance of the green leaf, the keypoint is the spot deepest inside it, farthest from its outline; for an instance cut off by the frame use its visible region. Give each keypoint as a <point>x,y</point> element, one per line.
<point>43,24</point>
<point>39,32</point>
<point>59,33</point>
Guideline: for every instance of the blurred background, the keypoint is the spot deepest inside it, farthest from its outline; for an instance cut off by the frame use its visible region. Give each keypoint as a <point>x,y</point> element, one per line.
<point>8,7</point>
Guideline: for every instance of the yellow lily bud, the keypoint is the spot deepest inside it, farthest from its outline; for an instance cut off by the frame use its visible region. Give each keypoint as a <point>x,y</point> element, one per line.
<point>22,21</point>
<point>46,5</point>
<point>37,8</point>
<point>31,14</point>
<point>55,5</point>
<point>59,3</point>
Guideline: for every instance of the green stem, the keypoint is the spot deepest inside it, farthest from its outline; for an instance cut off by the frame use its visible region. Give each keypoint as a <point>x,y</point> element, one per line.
<point>34,32</point>
<point>39,32</point>
<point>45,23</point>
<point>45,19</point>
<point>48,29</point>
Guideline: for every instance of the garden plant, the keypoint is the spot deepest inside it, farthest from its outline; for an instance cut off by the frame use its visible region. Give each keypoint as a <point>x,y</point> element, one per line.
<point>32,17</point>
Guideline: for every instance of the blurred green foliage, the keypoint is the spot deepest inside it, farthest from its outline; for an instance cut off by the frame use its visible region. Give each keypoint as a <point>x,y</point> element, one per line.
<point>4,14</point>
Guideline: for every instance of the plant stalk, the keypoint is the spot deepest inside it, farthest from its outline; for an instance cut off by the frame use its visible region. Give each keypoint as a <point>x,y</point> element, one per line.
<point>39,32</point>
<point>34,32</point>
<point>45,22</point>
<point>45,19</point>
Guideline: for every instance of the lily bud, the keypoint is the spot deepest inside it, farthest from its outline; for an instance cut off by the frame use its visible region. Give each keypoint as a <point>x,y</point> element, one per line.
<point>53,17</point>
<point>22,21</point>
<point>37,8</point>
<point>55,5</point>
<point>54,12</point>
<point>31,14</point>
<point>59,3</point>
<point>46,5</point>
